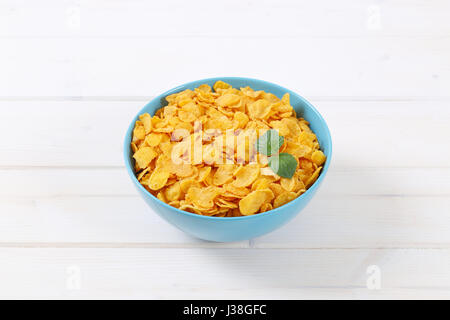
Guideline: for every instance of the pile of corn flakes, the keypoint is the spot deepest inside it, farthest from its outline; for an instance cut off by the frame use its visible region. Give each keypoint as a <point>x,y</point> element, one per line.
<point>196,153</point>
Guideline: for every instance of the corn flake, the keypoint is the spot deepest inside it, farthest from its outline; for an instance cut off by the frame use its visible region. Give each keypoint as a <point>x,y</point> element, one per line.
<point>245,175</point>
<point>158,179</point>
<point>251,203</point>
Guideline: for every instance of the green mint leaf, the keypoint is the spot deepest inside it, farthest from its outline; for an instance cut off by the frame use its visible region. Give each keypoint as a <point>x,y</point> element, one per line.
<point>283,164</point>
<point>269,143</point>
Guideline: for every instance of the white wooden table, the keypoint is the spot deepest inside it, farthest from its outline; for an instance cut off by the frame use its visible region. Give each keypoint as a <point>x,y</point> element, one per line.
<point>74,73</point>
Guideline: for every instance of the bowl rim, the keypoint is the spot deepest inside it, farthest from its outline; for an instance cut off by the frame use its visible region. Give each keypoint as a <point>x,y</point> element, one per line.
<point>310,190</point>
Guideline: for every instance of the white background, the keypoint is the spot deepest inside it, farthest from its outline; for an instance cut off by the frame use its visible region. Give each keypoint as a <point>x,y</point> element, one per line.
<point>74,73</point>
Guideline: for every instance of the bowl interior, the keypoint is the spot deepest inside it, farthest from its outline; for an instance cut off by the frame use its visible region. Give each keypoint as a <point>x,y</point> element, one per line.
<point>302,107</point>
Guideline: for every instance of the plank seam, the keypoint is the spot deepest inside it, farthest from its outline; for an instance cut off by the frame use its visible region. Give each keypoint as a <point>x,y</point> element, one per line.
<point>147,98</point>
<point>122,167</point>
<point>245,246</point>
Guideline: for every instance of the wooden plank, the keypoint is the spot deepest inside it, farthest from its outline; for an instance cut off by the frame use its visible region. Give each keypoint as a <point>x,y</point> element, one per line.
<point>64,133</point>
<point>288,18</point>
<point>340,221</point>
<point>378,207</point>
<point>90,133</point>
<point>333,222</point>
<point>358,222</point>
<point>314,66</point>
<point>90,221</point>
<point>222,273</point>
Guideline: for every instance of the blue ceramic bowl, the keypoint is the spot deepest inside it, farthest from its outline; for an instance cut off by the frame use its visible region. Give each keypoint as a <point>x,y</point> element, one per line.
<point>223,229</point>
